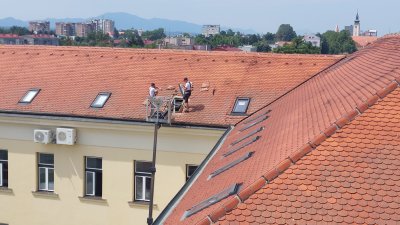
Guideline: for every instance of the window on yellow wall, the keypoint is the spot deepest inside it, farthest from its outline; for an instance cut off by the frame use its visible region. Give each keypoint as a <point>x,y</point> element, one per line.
<point>46,172</point>
<point>3,168</point>
<point>190,169</point>
<point>93,176</point>
<point>142,180</point>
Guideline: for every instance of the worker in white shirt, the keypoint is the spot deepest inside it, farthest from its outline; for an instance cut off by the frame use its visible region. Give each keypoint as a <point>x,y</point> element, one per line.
<point>188,91</point>
<point>153,90</point>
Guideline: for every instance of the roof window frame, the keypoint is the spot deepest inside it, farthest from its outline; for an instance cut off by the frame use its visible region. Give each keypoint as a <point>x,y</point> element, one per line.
<point>252,119</point>
<point>230,152</point>
<point>233,112</point>
<point>93,105</point>
<point>231,190</point>
<point>231,165</point>
<point>36,90</point>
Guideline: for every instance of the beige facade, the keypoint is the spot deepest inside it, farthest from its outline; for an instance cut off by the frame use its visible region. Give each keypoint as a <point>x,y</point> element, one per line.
<point>119,144</point>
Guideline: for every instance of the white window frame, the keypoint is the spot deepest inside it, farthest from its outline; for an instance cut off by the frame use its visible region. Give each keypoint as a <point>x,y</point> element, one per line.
<point>93,183</point>
<point>143,176</point>
<point>93,174</point>
<point>46,169</point>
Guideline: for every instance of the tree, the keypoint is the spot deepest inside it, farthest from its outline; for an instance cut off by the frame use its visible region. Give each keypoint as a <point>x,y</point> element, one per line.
<point>154,34</point>
<point>337,43</point>
<point>269,37</point>
<point>263,46</point>
<point>116,33</point>
<point>133,39</point>
<point>298,46</point>
<point>285,33</point>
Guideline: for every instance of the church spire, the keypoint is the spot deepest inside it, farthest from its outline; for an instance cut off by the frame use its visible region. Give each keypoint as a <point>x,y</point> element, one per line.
<point>357,17</point>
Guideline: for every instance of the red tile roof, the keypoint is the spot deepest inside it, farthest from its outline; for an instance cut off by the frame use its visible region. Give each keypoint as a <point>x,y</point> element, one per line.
<point>363,41</point>
<point>71,77</point>
<point>351,178</point>
<point>9,36</point>
<point>300,122</point>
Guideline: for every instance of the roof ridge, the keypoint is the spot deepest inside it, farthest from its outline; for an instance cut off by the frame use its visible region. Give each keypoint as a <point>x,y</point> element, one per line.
<point>166,51</point>
<point>268,177</point>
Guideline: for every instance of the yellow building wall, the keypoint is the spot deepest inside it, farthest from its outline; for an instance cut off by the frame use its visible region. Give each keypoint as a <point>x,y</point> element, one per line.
<point>23,206</point>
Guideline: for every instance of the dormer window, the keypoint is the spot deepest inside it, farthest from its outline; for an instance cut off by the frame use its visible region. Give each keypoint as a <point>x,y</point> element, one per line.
<point>100,100</point>
<point>29,96</point>
<point>241,105</point>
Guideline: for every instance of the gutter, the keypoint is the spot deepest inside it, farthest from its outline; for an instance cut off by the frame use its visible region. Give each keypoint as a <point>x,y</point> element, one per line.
<point>181,193</point>
<point>65,117</point>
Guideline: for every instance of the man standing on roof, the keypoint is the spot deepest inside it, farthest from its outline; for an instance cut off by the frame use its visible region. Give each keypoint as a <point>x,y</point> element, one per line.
<point>188,91</point>
<point>153,90</point>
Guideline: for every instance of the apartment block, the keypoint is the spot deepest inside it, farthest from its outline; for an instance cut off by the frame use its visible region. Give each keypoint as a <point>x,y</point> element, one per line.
<point>39,27</point>
<point>208,30</point>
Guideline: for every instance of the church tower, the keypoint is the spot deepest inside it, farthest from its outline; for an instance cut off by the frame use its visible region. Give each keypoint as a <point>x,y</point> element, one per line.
<point>356,28</point>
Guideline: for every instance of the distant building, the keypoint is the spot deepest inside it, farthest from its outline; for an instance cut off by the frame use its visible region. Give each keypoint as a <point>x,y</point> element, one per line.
<point>211,30</point>
<point>226,48</point>
<point>104,25</point>
<point>35,39</point>
<point>357,27</point>
<point>313,39</point>
<point>65,29</point>
<point>371,33</point>
<point>39,27</point>
<point>248,48</point>
<point>178,41</point>
<point>40,39</point>
<point>83,29</point>
<point>349,29</point>
<point>11,39</point>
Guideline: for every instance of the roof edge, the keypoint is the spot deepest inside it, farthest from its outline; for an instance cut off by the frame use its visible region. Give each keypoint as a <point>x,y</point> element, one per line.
<point>268,177</point>
<point>105,119</point>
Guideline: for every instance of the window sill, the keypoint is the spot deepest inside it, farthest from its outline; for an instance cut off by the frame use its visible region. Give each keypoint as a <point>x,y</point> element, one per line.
<point>6,190</point>
<point>141,204</point>
<point>93,199</point>
<point>47,194</point>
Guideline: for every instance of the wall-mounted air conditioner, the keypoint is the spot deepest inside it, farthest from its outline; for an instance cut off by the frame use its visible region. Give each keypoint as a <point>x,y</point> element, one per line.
<point>43,136</point>
<point>66,136</point>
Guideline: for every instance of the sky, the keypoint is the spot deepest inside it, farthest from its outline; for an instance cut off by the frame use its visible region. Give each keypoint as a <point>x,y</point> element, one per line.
<point>259,15</point>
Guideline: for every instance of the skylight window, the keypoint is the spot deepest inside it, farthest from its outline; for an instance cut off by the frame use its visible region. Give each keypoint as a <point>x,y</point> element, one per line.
<point>241,105</point>
<point>241,146</point>
<point>29,96</point>
<point>212,200</point>
<point>100,100</point>
<point>230,165</point>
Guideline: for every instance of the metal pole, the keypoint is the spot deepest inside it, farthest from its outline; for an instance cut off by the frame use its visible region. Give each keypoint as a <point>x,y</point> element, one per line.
<point>153,171</point>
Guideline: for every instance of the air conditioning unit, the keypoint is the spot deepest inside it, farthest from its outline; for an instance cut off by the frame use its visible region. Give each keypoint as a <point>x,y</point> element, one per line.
<point>66,136</point>
<point>43,136</point>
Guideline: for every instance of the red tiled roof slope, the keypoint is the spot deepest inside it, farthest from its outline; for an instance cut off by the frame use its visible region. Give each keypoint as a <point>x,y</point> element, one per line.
<point>351,178</point>
<point>363,41</point>
<point>71,77</point>
<point>297,123</point>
